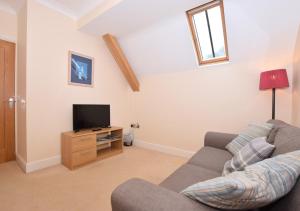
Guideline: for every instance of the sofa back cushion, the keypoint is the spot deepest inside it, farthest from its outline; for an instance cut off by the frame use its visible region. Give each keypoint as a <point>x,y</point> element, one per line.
<point>287,138</point>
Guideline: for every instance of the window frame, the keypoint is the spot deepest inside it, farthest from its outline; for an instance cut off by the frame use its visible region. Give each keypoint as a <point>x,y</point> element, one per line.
<point>196,41</point>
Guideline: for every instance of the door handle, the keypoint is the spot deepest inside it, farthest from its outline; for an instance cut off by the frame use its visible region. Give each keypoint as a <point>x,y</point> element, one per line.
<point>12,100</point>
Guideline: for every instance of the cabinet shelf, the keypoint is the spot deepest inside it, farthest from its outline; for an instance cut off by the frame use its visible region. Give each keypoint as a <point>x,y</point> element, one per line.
<point>108,152</point>
<point>82,148</point>
<point>108,141</point>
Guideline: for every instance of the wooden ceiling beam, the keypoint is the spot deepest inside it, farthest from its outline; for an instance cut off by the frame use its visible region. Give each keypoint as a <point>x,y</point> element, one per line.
<point>119,56</point>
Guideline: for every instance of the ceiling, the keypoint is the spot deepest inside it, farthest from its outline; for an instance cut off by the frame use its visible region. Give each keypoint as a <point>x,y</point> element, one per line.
<point>72,8</point>
<point>131,15</point>
<point>155,36</point>
<point>11,6</point>
<point>157,39</point>
<point>125,16</point>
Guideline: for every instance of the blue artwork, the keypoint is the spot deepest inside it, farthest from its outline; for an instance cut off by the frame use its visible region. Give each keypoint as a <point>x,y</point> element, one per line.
<point>81,70</point>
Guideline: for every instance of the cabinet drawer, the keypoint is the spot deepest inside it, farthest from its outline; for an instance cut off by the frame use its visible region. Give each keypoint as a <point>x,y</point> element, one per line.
<point>83,143</point>
<point>83,157</point>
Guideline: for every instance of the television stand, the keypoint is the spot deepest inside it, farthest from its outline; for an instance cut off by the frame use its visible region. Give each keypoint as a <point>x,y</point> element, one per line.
<point>96,129</point>
<point>87,146</point>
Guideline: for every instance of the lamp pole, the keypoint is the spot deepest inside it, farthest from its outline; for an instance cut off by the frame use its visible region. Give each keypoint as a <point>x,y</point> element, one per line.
<point>273,103</point>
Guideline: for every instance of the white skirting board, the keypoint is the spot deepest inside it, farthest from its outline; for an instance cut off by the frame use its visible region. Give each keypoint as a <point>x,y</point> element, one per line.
<point>41,164</point>
<point>21,162</point>
<point>164,149</point>
<point>56,160</point>
<point>38,165</point>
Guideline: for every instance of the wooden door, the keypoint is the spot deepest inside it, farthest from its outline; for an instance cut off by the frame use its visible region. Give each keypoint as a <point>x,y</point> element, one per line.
<point>7,101</point>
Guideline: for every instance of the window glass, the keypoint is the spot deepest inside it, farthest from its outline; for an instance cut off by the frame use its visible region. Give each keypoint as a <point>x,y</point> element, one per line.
<point>203,35</point>
<point>208,30</point>
<point>216,27</point>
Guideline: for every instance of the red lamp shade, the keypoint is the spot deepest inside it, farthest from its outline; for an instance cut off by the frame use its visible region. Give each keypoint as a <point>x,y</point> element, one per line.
<point>273,79</point>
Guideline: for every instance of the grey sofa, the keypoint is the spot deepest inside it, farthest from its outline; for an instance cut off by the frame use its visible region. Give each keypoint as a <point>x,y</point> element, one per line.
<point>207,163</point>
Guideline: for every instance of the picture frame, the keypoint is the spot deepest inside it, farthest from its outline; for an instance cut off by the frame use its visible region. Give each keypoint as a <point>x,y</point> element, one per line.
<point>80,70</point>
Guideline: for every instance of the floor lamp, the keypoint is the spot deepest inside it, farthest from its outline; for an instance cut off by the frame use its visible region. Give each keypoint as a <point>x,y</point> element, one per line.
<point>273,79</point>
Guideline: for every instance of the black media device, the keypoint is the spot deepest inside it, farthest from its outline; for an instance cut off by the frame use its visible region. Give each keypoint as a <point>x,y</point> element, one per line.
<point>90,117</point>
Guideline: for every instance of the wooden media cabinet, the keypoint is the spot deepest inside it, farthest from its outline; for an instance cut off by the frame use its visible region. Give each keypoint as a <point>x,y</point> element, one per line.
<point>87,146</point>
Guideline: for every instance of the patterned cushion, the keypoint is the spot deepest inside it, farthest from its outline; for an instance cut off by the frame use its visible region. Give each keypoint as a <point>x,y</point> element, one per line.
<point>251,132</point>
<point>256,150</point>
<point>259,185</point>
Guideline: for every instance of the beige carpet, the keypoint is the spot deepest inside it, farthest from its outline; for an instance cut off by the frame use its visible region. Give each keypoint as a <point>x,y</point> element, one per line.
<point>87,189</point>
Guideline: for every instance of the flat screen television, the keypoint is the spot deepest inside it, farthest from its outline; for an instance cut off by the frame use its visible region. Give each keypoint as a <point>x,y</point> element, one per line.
<point>90,116</point>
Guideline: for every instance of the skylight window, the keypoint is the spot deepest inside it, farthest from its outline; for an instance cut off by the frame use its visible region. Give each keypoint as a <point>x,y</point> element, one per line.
<point>207,24</point>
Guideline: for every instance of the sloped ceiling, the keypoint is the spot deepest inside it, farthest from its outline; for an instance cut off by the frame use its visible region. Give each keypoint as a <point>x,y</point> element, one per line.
<point>156,38</point>
<point>166,46</point>
<point>153,34</point>
<point>132,15</point>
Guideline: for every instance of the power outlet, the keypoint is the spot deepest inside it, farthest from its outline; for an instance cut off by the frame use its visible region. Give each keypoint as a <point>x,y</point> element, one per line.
<point>135,125</point>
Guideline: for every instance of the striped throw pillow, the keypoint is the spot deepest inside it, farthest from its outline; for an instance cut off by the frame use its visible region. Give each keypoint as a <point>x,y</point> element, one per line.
<point>259,185</point>
<point>256,150</point>
<point>251,132</point>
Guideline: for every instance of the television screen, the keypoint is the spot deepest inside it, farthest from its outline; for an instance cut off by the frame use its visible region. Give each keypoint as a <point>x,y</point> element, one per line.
<point>90,116</point>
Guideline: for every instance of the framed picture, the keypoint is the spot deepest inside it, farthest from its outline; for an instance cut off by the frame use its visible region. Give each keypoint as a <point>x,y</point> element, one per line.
<point>81,70</point>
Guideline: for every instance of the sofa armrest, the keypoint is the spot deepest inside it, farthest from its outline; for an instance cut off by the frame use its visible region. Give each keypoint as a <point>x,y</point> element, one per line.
<point>218,140</point>
<point>140,195</point>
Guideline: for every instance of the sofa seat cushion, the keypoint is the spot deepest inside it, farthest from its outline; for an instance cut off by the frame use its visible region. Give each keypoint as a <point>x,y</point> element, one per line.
<point>211,158</point>
<point>140,195</point>
<point>187,175</point>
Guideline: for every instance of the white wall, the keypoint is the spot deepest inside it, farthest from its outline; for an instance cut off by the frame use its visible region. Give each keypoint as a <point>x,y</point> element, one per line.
<point>296,87</point>
<point>179,102</point>
<point>8,26</point>
<point>21,145</point>
<point>49,97</point>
